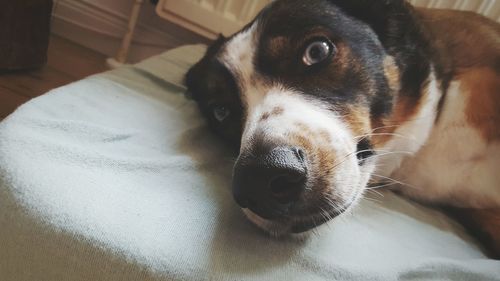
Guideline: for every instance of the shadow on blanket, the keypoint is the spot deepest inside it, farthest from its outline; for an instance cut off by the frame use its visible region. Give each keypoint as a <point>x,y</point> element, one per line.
<point>235,240</point>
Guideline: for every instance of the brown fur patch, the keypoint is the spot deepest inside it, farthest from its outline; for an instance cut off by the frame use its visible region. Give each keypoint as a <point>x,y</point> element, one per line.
<point>377,124</point>
<point>265,116</point>
<point>303,128</point>
<point>277,44</point>
<point>325,136</point>
<point>321,158</point>
<point>392,74</point>
<point>482,86</point>
<point>405,108</point>
<point>358,120</point>
<point>484,224</point>
<point>462,39</point>
<point>278,110</point>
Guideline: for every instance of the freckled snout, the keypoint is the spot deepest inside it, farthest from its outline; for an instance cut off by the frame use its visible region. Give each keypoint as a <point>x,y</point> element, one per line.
<point>269,182</point>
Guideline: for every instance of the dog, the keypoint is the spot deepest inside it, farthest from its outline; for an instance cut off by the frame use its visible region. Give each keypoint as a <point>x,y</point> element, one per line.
<point>325,99</point>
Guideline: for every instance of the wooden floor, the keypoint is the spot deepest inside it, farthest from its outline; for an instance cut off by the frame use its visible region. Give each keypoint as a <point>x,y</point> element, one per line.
<point>67,62</point>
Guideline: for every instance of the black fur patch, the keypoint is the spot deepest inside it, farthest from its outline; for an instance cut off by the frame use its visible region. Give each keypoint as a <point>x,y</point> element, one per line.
<point>211,85</point>
<point>355,75</point>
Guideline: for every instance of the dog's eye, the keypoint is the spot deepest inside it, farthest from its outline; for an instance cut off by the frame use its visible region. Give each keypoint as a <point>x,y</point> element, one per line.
<point>221,113</point>
<point>318,51</point>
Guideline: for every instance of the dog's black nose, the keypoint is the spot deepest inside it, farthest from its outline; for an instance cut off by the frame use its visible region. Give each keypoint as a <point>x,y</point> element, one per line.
<point>269,182</point>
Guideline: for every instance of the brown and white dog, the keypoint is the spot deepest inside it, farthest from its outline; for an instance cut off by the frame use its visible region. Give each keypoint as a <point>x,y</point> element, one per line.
<point>327,98</point>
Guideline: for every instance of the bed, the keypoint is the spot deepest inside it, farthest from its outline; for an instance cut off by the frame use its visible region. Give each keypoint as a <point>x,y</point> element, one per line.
<point>116,177</point>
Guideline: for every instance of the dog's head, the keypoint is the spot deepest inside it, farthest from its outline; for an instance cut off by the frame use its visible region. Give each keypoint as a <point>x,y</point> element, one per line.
<point>299,91</point>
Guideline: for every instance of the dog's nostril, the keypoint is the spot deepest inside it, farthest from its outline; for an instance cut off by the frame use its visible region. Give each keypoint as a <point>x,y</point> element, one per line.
<point>251,204</point>
<point>286,188</point>
<point>244,201</point>
<point>299,153</point>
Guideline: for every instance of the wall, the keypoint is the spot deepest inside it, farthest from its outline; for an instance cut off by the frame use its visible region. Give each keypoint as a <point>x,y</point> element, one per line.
<point>100,24</point>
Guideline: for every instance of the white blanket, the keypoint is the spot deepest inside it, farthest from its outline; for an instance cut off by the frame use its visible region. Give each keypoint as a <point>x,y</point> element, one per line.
<point>116,177</point>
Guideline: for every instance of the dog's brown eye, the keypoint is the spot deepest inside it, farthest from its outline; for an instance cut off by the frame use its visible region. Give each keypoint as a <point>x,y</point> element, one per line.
<point>317,51</point>
<point>221,113</point>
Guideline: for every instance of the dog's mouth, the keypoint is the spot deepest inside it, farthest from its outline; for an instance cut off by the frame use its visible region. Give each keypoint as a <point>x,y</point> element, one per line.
<point>317,220</point>
<point>298,224</point>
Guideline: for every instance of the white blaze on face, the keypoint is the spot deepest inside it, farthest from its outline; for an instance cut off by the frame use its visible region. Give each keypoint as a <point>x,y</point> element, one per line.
<point>238,54</point>
<point>259,97</point>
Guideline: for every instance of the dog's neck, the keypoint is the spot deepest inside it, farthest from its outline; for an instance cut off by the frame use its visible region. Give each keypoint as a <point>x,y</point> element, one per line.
<point>418,78</point>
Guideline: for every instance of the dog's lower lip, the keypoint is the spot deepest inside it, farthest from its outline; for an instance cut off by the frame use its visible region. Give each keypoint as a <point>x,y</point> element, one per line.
<point>268,215</point>
<point>313,223</point>
<point>306,226</point>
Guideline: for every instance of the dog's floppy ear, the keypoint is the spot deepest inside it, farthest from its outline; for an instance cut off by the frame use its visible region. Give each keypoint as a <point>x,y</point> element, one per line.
<point>390,19</point>
<point>215,46</point>
<point>397,26</point>
<point>197,73</point>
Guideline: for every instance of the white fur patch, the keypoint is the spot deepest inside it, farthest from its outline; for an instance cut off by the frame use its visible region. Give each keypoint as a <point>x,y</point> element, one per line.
<point>258,98</point>
<point>238,55</point>
<point>410,137</point>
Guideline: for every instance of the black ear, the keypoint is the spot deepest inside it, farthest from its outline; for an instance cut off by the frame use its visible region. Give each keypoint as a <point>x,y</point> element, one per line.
<point>215,46</point>
<point>193,78</point>
<point>198,72</point>
<point>398,27</point>
<point>390,19</point>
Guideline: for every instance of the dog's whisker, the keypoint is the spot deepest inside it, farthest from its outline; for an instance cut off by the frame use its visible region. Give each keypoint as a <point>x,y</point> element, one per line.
<point>380,186</point>
<point>372,200</point>
<point>326,216</point>
<point>384,127</point>
<point>390,153</point>
<point>395,181</point>
<point>330,202</point>
<point>345,158</point>
<point>384,134</point>
<point>370,190</point>
<point>349,154</point>
<point>385,151</point>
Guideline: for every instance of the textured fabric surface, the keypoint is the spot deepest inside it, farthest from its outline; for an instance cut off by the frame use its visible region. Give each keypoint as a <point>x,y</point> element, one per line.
<point>116,177</point>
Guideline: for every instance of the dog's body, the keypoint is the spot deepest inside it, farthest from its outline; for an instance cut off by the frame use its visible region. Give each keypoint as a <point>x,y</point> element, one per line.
<point>459,161</point>
<point>461,140</point>
<point>325,98</point>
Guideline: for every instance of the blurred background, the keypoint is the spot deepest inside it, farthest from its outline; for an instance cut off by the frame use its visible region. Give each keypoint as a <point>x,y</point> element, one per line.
<point>98,24</point>
<point>48,43</point>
